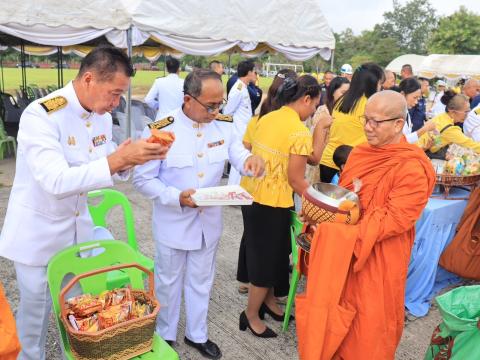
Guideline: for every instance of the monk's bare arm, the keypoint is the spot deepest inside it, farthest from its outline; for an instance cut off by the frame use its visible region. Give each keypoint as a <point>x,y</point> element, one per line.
<point>296,173</point>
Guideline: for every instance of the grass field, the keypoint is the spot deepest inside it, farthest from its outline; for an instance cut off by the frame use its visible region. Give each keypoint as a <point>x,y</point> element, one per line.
<point>141,83</point>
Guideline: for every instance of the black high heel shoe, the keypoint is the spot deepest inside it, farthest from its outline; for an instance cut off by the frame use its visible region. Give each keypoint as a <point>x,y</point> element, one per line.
<point>265,309</point>
<point>267,333</point>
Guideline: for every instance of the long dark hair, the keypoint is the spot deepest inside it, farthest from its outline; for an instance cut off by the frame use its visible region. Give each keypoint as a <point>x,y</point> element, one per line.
<point>270,103</point>
<point>335,84</point>
<point>364,83</point>
<point>291,90</point>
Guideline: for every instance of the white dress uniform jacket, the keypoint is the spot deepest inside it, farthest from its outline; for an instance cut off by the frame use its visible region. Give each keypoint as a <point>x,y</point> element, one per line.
<point>471,126</point>
<point>62,152</point>
<point>195,160</point>
<point>240,107</point>
<point>412,136</point>
<point>165,95</point>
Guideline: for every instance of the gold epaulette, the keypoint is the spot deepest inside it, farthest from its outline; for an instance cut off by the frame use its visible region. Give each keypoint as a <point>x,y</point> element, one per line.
<point>226,118</point>
<point>240,85</point>
<point>54,104</point>
<point>160,124</point>
<point>477,110</point>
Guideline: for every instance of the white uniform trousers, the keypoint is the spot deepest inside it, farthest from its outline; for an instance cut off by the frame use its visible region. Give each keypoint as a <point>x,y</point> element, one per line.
<point>33,310</point>
<point>35,303</point>
<point>194,271</point>
<point>234,177</point>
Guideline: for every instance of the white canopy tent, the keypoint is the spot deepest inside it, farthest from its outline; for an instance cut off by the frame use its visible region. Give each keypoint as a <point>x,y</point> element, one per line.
<point>451,67</point>
<point>296,29</point>
<point>415,60</point>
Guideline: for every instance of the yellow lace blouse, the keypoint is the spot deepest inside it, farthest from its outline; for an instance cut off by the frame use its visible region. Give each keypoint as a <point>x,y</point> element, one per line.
<point>274,137</point>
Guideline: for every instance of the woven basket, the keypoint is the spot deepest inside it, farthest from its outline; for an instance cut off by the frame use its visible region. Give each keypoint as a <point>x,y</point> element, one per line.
<point>317,208</point>
<point>118,342</point>
<point>454,180</point>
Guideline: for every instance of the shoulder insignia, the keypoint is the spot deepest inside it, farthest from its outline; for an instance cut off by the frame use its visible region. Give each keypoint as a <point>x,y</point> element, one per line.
<point>160,124</point>
<point>239,86</point>
<point>477,110</point>
<point>226,118</point>
<point>54,104</point>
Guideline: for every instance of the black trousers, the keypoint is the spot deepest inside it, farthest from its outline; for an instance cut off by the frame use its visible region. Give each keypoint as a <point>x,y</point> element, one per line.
<point>327,173</point>
<point>263,258</point>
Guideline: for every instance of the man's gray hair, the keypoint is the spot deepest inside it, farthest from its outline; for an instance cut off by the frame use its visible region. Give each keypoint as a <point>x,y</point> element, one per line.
<point>193,82</point>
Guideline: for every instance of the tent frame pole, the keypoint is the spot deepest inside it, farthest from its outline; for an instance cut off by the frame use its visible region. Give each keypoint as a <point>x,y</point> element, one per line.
<point>331,59</point>
<point>24,70</point>
<point>129,91</point>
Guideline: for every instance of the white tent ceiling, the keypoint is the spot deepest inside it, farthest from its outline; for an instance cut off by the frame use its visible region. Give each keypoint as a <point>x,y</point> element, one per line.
<point>451,67</point>
<point>296,29</point>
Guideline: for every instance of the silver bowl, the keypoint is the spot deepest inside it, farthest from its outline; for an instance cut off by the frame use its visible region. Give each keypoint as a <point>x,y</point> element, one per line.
<point>332,195</point>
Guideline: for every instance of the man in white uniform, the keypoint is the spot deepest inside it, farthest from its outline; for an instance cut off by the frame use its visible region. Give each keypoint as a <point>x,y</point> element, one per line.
<point>187,236</point>
<point>166,93</point>
<point>471,126</point>
<point>64,151</point>
<point>240,106</point>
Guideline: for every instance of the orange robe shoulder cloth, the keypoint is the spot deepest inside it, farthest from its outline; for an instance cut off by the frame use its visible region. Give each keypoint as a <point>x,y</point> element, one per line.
<point>9,344</point>
<point>353,307</point>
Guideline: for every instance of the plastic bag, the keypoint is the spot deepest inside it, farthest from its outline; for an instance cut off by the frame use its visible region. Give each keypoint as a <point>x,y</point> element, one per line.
<point>458,335</point>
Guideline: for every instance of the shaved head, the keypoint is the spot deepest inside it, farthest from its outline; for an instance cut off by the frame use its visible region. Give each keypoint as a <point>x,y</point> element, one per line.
<point>471,88</point>
<point>392,103</point>
<point>385,115</point>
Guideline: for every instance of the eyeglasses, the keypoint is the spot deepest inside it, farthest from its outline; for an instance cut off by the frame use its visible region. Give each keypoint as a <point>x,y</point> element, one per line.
<point>461,111</point>
<point>210,108</point>
<point>374,123</point>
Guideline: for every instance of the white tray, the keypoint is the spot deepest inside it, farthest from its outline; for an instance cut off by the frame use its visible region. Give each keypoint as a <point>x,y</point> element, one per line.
<point>222,195</point>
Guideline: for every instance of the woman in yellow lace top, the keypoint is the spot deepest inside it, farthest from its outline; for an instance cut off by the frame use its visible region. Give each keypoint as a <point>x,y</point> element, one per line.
<point>286,144</point>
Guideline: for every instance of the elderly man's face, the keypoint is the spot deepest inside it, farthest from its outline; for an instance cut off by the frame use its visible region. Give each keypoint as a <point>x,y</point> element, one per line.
<point>211,97</point>
<point>471,89</point>
<point>380,128</point>
<point>105,94</point>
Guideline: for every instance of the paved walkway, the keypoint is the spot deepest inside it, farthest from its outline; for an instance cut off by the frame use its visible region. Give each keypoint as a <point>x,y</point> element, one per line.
<point>226,303</point>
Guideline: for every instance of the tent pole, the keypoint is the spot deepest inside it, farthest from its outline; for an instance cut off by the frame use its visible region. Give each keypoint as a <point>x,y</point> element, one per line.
<point>59,82</point>
<point>229,64</point>
<point>331,59</point>
<point>129,91</point>
<point>1,67</point>
<point>164,64</point>
<point>24,71</point>
<point>60,51</point>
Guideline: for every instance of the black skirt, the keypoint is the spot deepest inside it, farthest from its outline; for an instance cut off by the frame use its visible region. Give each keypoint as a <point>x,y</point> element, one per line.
<point>266,239</point>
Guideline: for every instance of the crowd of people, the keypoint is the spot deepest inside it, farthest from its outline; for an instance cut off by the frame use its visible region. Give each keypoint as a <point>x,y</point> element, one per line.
<point>361,124</point>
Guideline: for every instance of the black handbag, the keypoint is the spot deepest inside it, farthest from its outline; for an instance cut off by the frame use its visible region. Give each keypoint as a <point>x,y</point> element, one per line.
<point>442,152</point>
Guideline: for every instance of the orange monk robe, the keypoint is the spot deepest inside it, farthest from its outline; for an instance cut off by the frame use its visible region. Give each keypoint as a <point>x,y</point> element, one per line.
<point>353,308</point>
<point>9,345</point>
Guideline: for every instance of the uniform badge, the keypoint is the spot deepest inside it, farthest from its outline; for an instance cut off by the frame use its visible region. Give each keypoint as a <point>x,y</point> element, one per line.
<point>226,118</point>
<point>216,143</point>
<point>71,141</point>
<point>54,104</point>
<point>159,124</point>
<point>99,140</point>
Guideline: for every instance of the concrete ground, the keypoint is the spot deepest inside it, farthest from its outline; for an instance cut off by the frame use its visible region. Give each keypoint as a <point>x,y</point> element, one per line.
<point>226,303</point>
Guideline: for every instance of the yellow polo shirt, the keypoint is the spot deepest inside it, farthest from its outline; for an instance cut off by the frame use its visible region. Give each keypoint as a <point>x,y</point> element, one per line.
<point>346,129</point>
<point>274,137</point>
<point>452,135</point>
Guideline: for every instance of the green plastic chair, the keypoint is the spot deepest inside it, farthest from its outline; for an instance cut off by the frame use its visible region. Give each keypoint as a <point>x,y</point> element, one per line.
<point>7,143</point>
<point>116,252</point>
<point>99,212</point>
<point>295,229</point>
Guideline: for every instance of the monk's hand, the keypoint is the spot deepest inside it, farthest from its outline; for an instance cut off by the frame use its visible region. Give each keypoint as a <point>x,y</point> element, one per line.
<point>254,166</point>
<point>186,198</point>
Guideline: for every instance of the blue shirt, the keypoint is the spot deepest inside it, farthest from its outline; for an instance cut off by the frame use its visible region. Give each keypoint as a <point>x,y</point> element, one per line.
<point>475,102</point>
<point>418,114</point>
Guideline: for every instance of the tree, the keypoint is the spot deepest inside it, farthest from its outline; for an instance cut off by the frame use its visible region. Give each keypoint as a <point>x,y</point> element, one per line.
<point>411,24</point>
<point>457,34</point>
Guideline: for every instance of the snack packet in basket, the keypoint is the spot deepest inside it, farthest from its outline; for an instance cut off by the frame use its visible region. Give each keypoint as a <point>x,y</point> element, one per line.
<point>114,314</point>
<point>84,305</point>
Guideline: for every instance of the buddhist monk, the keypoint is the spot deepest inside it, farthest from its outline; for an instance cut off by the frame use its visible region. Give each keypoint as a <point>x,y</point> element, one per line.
<point>353,307</point>
<point>9,344</point>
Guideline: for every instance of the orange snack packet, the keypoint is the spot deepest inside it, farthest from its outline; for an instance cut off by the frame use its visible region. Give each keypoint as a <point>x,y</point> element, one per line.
<point>161,137</point>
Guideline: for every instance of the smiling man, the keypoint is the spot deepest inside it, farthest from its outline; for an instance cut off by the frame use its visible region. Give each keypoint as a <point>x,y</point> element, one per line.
<point>186,236</point>
<point>362,315</point>
<point>64,151</point>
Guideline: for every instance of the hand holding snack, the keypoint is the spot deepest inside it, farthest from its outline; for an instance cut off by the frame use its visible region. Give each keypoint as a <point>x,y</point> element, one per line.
<point>165,138</point>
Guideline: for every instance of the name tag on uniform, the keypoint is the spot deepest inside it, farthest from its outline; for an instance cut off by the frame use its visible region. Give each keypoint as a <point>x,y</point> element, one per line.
<point>99,140</point>
<point>216,143</point>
